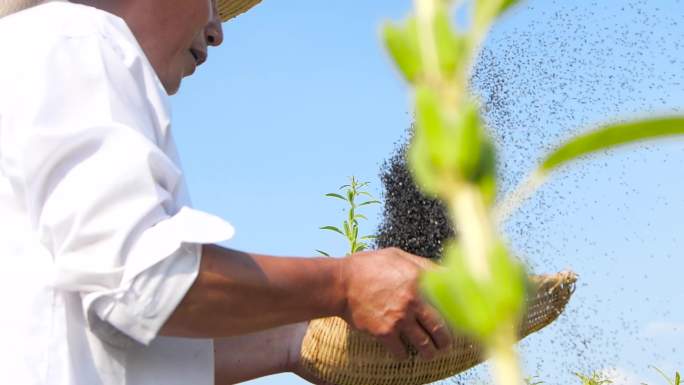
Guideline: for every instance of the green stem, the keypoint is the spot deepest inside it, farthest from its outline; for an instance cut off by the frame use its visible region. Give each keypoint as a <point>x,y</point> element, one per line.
<point>425,15</point>
<point>470,214</point>
<point>505,362</point>
<point>473,221</point>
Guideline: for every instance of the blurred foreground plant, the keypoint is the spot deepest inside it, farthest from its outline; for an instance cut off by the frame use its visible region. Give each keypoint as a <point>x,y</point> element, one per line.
<point>482,290</point>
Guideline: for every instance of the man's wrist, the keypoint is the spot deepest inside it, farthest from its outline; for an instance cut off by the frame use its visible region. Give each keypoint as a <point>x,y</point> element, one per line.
<point>331,284</point>
<point>339,286</point>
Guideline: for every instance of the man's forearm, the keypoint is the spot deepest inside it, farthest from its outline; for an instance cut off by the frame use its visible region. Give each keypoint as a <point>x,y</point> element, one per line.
<point>237,293</point>
<point>249,356</point>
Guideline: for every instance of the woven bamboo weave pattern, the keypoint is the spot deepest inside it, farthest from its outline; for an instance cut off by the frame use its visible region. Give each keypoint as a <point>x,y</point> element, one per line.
<point>336,353</point>
<point>228,9</point>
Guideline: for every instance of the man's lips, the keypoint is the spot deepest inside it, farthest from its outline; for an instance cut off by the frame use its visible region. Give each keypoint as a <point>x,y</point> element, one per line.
<point>199,55</point>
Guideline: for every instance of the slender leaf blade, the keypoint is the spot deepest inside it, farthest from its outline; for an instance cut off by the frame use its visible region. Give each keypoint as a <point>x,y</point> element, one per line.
<point>664,375</point>
<point>369,203</point>
<point>332,228</point>
<point>338,196</point>
<point>506,4</point>
<point>612,136</point>
<point>402,45</point>
<point>360,247</point>
<point>322,252</point>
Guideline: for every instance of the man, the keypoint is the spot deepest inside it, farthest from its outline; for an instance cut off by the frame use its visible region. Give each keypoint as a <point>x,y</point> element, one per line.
<point>109,277</point>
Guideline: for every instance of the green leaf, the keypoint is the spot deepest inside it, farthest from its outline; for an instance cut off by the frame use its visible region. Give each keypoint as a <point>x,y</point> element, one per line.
<point>369,203</point>
<point>486,174</point>
<point>430,125</point>
<point>487,187</point>
<point>477,307</point>
<point>323,252</point>
<point>347,230</point>
<point>532,381</point>
<point>344,186</point>
<point>666,377</point>
<point>360,247</point>
<point>469,143</point>
<point>360,216</point>
<point>402,44</point>
<point>612,136</point>
<point>333,195</point>
<point>487,11</point>
<point>350,196</point>
<point>596,378</point>
<point>421,169</point>
<point>366,194</point>
<point>506,4</point>
<point>331,228</point>
<point>431,155</point>
<point>450,47</point>
<point>369,237</point>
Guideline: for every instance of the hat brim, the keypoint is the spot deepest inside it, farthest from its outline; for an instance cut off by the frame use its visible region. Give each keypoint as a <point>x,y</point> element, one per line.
<point>228,9</point>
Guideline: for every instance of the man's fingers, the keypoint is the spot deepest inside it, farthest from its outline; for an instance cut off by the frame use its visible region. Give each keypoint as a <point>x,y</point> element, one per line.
<point>435,326</point>
<point>420,339</point>
<point>394,344</point>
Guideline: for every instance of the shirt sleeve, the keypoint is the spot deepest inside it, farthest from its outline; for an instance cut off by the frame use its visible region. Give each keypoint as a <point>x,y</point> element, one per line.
<point>80,145</point>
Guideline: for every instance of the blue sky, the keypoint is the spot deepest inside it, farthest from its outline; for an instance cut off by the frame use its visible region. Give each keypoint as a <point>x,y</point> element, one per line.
<point>301,96</point>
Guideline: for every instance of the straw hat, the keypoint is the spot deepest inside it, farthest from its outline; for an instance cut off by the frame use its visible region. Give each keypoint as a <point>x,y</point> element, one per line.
<point>228,9</point>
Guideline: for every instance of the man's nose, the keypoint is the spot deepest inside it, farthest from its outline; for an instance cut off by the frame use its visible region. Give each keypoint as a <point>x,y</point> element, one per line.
<point>214,32</point>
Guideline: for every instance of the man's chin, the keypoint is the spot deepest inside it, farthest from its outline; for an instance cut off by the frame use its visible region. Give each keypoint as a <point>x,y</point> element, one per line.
<point>172,87</point>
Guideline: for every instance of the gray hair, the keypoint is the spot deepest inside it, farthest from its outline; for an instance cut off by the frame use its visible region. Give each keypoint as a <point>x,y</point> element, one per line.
<point>11,6</point>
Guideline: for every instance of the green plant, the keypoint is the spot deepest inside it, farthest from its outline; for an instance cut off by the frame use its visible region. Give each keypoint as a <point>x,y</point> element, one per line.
<point>534,380</point>
<point>611,135</point>
<point>481,292</point>
<point>350,226</point>
<point>595,378</point>
<point>677,380</point>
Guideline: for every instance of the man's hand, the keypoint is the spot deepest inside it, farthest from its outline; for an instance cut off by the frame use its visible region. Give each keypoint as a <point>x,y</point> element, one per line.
<point>237,293</point>
<point>382,299</point>
<point>254,305</point>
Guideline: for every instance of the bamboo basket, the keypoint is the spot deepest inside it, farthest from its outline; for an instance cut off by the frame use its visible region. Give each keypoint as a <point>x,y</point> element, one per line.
<point>336,353</point>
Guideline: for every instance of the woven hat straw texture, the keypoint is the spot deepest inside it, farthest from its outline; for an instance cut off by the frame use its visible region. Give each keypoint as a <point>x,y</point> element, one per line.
<point>228,9</point>
<point>338,354</point>
<point>8,7</point>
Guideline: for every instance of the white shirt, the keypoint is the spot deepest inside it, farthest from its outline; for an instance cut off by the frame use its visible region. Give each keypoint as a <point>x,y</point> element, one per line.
<point>97,242</point>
